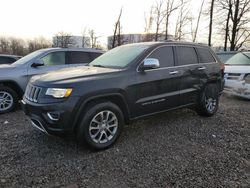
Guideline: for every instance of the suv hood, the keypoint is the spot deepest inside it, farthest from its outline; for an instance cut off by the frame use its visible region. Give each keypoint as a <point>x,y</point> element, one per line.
<point>237,69</point>
<point>72,74</point>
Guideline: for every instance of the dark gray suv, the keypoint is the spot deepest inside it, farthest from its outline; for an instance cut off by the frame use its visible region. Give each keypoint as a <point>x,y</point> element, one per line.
<point>14,77</point>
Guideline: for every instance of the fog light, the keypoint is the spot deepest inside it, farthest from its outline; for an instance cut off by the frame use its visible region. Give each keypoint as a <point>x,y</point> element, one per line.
<point>54,116</point>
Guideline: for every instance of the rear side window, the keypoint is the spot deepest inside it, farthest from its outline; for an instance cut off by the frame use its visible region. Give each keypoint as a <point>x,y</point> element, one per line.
<point>164,55</point>
<point>54,58</point>
<point>79,57</point>
<point>186,55</point>
<point>205,55</point>
<point>7,60</point>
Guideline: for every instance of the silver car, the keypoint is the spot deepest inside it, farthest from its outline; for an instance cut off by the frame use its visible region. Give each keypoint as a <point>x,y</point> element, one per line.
<point>14,77</point>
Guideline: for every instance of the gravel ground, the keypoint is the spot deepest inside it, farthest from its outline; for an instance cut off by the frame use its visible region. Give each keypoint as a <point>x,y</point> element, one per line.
<point>174,149</point>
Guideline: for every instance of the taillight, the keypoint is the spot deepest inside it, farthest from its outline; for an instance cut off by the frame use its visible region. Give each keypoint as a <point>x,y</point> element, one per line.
<point>222,68</point>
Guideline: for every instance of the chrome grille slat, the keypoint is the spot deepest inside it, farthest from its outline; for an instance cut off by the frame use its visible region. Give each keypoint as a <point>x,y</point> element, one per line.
<point>32,93</point>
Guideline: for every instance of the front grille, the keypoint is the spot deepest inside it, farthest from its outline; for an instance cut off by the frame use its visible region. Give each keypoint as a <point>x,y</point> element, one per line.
<point>233,76</point>
<point>32,93</point>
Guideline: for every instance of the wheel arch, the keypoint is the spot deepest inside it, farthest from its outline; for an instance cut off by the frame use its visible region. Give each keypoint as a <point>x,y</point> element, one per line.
<point>13,85</point>
<point>115,98</point>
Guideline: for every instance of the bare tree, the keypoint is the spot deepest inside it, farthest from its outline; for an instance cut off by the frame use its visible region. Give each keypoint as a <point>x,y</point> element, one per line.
<point>171,7</point>
<point>93,38</point>
<point>198,22</point>
<point>117,31</point>
<point>211,22</point>
<point>237,22</point>
<point>38,43</point>
<point>17,46</point>
<point>159,15</point>
<point>63,40</point>
<point>4,45</point>
<point>183,20</point>
<point>85,38</point>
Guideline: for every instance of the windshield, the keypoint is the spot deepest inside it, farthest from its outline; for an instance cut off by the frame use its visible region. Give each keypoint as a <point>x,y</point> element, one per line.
<point>119,57</point>
<point>242,58</point>
<point>27,58</point>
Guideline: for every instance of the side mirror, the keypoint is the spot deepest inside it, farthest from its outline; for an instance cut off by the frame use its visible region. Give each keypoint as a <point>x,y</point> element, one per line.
<point>37,63</point>
<point>150,63</point>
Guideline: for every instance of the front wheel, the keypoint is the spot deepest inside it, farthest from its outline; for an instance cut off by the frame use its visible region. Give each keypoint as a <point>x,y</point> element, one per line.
<point>8,99</point>
<point>101,125</point>
<point>209,101</point>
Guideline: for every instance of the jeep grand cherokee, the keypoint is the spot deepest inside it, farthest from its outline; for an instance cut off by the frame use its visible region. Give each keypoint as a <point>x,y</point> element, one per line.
<point>126,83</point>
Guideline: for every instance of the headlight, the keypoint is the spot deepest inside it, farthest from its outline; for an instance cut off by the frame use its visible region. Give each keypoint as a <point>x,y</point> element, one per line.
<point>247,79</point>
<point>59,92</point>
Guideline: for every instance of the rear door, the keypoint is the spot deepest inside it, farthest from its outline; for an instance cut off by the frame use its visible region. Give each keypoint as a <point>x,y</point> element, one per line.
<point>192,74</point>
<point>52,61</point>
<point>158,89</point>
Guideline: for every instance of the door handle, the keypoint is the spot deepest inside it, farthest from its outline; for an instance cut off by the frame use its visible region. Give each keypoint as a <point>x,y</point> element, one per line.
<point>201,68</point>
<point>173,72</point>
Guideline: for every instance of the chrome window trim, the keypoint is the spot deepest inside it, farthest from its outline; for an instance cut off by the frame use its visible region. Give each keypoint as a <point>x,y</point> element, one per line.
<point>171,45</point>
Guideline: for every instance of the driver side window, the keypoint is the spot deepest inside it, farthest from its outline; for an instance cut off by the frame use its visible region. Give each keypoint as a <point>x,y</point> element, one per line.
<point>54,58</point>
<point>164,55</point>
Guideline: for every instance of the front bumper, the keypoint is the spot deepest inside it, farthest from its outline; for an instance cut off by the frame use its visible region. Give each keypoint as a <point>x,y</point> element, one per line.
<point>54,119</point>
<point>237,88</point>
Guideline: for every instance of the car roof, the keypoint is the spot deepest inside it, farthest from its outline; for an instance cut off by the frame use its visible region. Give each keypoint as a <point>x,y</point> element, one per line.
<point>159,43</point>
<point>71,49</point>
<point>8,55</point>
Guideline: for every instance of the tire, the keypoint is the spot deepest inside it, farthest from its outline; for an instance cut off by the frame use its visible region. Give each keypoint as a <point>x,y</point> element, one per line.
<point>97,135</point>
<point>208,103</point>
<point>8,99</point>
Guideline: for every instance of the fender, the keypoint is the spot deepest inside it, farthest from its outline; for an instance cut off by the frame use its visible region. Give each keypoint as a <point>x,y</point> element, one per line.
<point>79,110</point>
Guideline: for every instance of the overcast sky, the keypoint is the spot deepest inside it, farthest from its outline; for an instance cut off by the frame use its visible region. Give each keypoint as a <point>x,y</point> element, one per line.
<point>34,18</point>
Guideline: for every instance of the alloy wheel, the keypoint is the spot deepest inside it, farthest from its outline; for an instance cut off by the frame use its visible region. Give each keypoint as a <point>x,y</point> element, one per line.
<point>103,127</point>
<point>6,101</point>
<point>210,104</point>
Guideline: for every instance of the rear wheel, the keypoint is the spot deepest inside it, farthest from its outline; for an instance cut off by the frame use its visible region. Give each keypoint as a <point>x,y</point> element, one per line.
<point>101,125</point>
<point>209,101</point>
<point>8,99</point>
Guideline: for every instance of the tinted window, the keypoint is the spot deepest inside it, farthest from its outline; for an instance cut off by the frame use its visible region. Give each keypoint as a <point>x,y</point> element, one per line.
<point>79,58</point>
<point>205,55</point>
<point>186,55</point>
<point>94,55</point>
<point>54,58</point>
<point>6,60</point>
<point>164,55</point>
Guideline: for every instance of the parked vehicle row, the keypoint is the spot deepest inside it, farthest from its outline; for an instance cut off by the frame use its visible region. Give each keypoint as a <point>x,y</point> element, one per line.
<point>128,82</point>
<point>14,77</point>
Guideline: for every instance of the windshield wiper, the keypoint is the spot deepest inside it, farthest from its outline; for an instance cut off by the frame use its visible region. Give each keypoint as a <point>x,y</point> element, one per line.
<point>98,66</point>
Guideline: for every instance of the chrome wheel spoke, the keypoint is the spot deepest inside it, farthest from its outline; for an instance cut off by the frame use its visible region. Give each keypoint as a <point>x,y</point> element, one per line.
<point>103,127</point>
<point>6,100</point>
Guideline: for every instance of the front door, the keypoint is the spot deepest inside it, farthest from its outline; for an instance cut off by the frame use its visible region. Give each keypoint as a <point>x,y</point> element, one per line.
<point>52,61</point>
<point>158,89</point>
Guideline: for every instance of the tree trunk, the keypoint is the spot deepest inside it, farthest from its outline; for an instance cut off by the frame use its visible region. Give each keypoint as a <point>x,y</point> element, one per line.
<point>227,30</point>
<point>235,23</point>
<point>211,22</point>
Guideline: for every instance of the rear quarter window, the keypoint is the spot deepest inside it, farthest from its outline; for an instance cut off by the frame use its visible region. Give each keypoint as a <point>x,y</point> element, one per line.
<point>205,55</point>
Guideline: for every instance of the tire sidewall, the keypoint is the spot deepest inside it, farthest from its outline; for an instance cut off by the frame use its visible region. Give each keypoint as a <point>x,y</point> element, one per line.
<point>14,96</point>
<point>83,131</point>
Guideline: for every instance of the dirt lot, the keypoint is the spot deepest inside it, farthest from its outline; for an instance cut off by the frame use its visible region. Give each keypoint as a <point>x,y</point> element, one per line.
<point>174,149</point>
